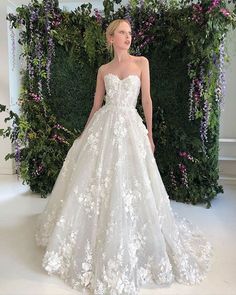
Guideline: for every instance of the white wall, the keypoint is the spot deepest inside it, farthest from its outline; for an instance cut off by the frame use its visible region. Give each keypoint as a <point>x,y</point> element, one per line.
<point>6,167</point>
<point>10,86</point>
<point>227,152</point>
<point>228,118</point>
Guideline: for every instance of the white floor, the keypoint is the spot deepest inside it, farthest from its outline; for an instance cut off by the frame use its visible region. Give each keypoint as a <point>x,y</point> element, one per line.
<point>20,259</point>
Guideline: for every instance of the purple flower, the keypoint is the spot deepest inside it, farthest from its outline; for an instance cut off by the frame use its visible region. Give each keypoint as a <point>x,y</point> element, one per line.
<point>184,176</point>
<point>221,84</point>
<point>195,93</point>
<point>186,155</point>
<point>98,15</point>
<point>173,180</point>
<point>204,121</point>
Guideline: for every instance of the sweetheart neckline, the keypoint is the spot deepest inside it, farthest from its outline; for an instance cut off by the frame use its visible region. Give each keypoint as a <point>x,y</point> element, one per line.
<point>135,75</point>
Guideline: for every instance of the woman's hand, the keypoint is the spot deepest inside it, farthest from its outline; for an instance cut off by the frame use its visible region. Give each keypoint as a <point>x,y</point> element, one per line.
<point>151,142</point>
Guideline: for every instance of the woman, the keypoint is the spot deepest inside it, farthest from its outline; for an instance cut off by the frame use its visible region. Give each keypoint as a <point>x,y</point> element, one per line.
<point>108,227</point>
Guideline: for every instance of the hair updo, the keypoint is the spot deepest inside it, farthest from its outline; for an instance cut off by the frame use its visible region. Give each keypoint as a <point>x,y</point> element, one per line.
<point>110,31</point>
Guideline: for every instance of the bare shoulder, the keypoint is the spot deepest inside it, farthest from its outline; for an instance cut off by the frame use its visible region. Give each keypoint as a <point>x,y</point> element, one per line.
<point>140,59</point>
<point>101,71</point>
<point>143,64</point>
<point>144,60</point>
<point>103,68</point>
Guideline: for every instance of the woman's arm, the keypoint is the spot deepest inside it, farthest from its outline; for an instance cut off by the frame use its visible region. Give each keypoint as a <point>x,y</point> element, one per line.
<point>99,95</point>
<point>146,97</point>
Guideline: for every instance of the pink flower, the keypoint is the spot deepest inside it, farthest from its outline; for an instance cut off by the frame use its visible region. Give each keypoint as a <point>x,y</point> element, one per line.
<point>35,97</point>
<point>182,167</point>
<point>225,11</point>
<point>197,12</point>
<point>214,3</point>
<point>197,7</point>
<point>186,155</point>
<point>58,138</point>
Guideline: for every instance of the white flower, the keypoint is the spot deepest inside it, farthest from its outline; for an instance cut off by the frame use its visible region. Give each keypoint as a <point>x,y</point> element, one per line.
<point>86,266</point>
<point>52,261</point>
<point>86,278</point>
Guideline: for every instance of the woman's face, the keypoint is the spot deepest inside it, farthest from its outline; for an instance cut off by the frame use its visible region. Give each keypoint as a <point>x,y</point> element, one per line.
<point>122,36</point>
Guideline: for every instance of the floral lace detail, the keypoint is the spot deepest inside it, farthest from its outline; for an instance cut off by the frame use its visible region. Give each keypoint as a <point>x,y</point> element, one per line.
<point>122,93</point>
<point>55,261</point>
<point>88,199</point>
<point>120,111</point>
<point>108,226</point>
<point>120,131</point>
<point>92,141</point>
<point>87,275</point>
<point>116,275</point>
<point>130,197</point>
<point>44,227</point>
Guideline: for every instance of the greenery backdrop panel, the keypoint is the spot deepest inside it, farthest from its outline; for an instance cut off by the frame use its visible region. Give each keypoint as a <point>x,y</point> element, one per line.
<point>184,43</point>
<point>174,133</point>
<point>72,88</point>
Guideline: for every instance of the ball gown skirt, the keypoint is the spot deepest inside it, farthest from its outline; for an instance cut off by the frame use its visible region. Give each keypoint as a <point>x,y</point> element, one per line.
<point>108,226</point>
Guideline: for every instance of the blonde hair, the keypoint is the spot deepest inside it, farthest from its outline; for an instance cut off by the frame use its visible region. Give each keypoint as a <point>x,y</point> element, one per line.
<point>111,29</point>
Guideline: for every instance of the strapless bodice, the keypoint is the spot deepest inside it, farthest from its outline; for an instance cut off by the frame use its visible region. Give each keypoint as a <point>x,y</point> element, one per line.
<point>122,92</point>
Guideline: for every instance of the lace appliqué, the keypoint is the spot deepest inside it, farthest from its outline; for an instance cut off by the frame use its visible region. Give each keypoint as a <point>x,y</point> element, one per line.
<point>109,227</point>
<point>120,131</point>
<point>94,194</point>
<point>60,261</point>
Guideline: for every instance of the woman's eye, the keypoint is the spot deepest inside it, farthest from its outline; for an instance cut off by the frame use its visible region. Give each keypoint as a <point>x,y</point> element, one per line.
<point>124,32</point>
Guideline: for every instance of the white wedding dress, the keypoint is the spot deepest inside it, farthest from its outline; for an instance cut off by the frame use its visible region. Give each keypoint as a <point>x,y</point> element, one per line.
<point>108,226</point>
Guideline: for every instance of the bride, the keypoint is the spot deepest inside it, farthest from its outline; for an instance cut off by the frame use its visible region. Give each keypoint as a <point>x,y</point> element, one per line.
<point>108,226</point>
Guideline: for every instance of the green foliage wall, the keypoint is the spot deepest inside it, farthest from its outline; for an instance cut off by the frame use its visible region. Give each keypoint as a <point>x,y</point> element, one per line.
<point>72,88</point>
<point>183,42</point>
